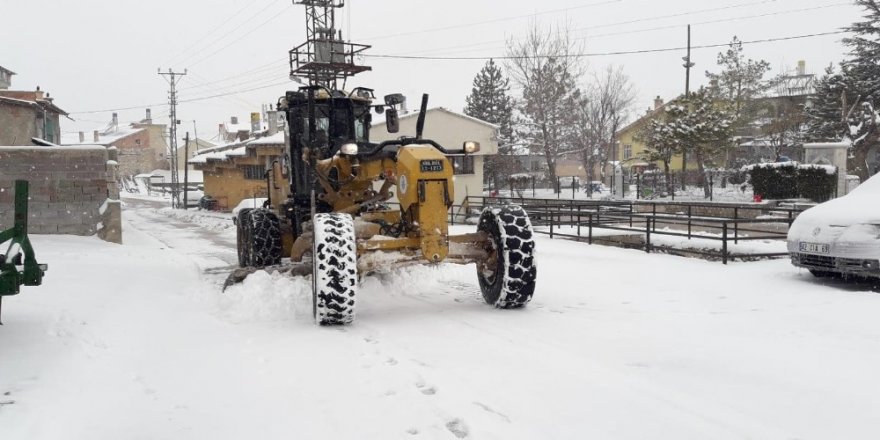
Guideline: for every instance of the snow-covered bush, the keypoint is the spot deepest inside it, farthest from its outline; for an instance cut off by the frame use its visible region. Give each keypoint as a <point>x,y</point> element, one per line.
<point>789,180</point>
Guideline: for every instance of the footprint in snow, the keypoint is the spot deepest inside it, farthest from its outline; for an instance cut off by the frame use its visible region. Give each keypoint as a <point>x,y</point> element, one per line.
<point>412,431</point>
<point>458,428</point>
<point>426,389</point>
<point>391,361</point>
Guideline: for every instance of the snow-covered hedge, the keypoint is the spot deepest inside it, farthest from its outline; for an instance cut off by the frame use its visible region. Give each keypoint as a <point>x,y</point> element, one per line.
<point>790,180</point>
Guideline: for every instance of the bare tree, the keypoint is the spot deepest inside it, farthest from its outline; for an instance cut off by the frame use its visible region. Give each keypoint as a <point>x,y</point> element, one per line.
<point>600,114</point>
<point>547,66</point>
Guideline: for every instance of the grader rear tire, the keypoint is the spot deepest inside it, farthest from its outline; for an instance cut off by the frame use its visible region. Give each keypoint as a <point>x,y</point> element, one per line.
<point>243,236</point>
<point>334,264</point>
<point>265,238</point>
<point>507,279</point>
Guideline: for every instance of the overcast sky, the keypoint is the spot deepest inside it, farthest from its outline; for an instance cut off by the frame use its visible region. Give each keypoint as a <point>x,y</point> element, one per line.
<point>102,54</point>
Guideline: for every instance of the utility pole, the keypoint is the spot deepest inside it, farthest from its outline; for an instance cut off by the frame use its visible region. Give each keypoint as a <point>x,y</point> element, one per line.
<point>172,78</point>
<point>687,94</point>
<point>186,172</point>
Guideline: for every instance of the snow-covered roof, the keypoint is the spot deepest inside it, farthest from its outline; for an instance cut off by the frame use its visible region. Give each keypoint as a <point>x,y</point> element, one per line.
<point>275,139</point>
<point>105,137</point>
<point>445,110</point>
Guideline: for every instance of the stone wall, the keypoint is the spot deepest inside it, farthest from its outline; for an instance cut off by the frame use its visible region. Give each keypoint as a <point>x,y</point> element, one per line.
<point>68,186</point>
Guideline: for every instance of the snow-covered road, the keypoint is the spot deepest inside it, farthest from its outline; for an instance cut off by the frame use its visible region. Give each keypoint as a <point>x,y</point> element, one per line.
<point>138,342</point>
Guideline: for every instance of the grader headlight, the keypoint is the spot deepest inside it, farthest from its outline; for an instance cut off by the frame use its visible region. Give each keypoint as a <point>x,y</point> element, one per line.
<point>471,147</point>
<point>349,149</point>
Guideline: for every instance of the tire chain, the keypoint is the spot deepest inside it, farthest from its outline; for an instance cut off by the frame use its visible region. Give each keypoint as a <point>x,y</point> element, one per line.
<point>265,238</point>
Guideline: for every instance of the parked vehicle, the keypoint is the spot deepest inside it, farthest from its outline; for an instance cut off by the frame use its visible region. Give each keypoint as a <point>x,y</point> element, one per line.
<point>841,236</point>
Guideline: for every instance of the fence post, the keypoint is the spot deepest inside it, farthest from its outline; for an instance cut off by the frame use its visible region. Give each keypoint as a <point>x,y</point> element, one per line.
<point>648,235</point>
<point>590,228</point>
<point>711,188</point>
<point>724,243</point>
<point>551,225</point>
<point>579,221</point>
<point>689,221</point>
<point>736,226</point>
<point>672,177</point>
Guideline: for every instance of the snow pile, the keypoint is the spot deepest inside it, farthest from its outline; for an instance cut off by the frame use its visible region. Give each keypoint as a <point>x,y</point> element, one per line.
<point>266,297</point>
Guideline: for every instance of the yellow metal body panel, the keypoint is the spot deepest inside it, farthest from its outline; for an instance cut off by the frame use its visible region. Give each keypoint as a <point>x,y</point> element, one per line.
<point>425,190</point>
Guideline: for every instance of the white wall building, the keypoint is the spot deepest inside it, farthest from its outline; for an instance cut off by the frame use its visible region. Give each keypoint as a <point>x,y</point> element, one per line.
<point>451,130</point>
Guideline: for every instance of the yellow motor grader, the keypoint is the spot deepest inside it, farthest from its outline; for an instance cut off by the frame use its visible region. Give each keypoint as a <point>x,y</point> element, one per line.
<point>329,212</point>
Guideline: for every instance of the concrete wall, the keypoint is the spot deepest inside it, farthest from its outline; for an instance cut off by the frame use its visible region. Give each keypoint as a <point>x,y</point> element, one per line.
<point>17,124</point>
<point>68,185</point>
<point>229,187</point>
<point>136,155</point>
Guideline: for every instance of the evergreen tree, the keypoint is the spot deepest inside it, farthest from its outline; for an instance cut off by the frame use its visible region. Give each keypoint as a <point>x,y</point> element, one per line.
<point>740,82</point>
<point>824,118</point>
<point>701,128</point>
<point>861,74</point>
<point>489,101</point>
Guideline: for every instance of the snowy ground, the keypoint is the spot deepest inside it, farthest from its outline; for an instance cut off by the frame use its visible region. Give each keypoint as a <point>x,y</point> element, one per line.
<point>137,342</point>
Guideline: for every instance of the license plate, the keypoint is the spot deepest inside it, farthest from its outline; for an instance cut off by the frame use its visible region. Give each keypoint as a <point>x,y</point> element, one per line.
<point>815,248</point>
<point>432,166</point>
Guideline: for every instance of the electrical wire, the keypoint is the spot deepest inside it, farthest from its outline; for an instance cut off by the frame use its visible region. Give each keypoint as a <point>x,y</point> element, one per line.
<point>278,14</point>
<point>209,33</point>
<point>482,46</point>
<point>597,54</point>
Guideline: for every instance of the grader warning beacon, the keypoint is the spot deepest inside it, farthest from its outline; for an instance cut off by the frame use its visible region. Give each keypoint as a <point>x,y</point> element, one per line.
<point>329,194</point>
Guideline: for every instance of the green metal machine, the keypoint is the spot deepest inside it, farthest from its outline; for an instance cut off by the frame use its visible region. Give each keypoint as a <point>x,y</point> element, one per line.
<point>18,266</point>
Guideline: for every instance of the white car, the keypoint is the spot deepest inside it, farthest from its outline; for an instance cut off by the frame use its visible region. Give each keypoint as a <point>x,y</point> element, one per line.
<point>840,237</point>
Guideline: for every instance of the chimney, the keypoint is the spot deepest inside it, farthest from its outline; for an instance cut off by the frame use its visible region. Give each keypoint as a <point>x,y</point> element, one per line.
<point>658,102</point>
<point>115,120</point>
<point>97,136</point>
<point>234,120</point>
<point>82,137</point>
<point>802,67</point>
<point>272,117</point>
<point>149,118</point>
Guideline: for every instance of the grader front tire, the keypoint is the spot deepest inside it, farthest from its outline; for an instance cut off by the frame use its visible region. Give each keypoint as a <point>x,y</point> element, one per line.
<point>507,279</point>
<point>334,275</point>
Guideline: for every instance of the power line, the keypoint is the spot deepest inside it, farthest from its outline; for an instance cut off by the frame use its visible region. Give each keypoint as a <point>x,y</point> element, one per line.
<point>211,32</point>
<point>277,15</point>
<point>637,31</point>
<point>597,54</point>
<point>498,20</point>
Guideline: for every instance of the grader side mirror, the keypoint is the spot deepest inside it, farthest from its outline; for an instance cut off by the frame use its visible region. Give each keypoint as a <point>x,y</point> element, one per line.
<point>394,99</point>
<point>392,121</point>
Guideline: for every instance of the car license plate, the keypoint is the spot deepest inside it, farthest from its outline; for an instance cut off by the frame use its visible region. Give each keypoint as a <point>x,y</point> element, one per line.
<point>815,248</point>
<point>432,166</point>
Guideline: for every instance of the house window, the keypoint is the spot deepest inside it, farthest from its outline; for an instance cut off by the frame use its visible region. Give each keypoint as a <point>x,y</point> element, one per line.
<point>627,151</point>
<point>137,141</point>
<point>536,165</point>
<point>462,164</point>
<point>253,172</point>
